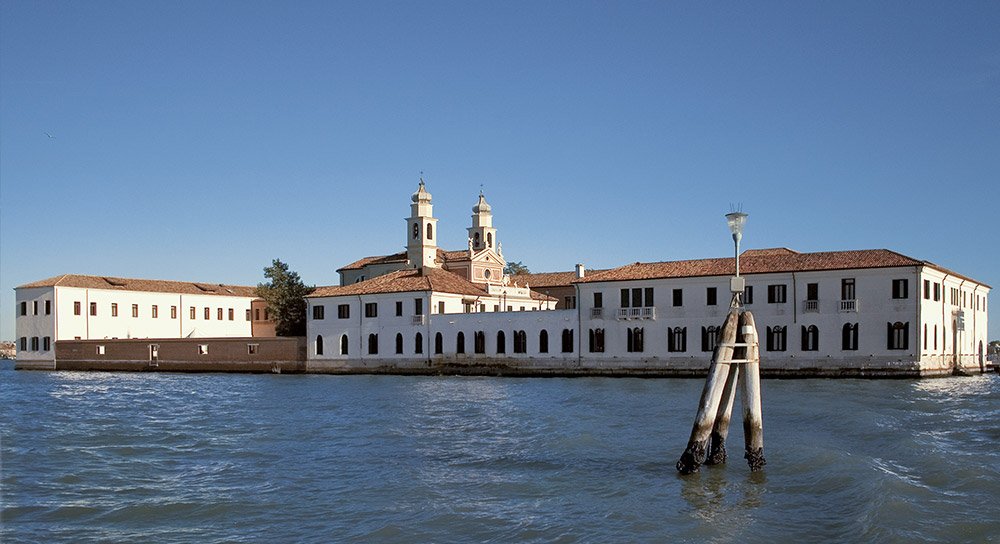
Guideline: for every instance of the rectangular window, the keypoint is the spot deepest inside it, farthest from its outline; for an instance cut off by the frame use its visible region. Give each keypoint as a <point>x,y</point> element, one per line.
<point>937,292</point>
<point>496,307</point>
<point>248,314</point>
<point>100,350</point>
<point>219,314</point>
<point>34,343</point>
<point>637,297</point>
<point>256,314</point>
<point>47,343</point>
<point>900,288</point>
<point>24,343</point>
<point>847,289</point>
<point>624,301</point>
<point>418,306</point>
<point>202,349</point>
<point>678,297</point>
<point>371,309</point>
<point>399,308</point>
<point>467,307</point>
<point>569,303</point>
<point>114,309</point>
<point>192,312</point>
<point>319,312</point>
<point>156,311</point>
<point>598,300</point>
<point>710,296</point>
<point>927,289</point>
<point>48,307</point>
<point>93,308</point>
<point>343,311</point>
<point>812,291</point>
<point>649,297</point>
<point>748,294</point>
<point>24,308</point>
<point>232,314</point>
<point>252,349</point>
<point>135,310</point>
<point>76,308</point>
<point>776,294</point>
<point>34,307</point>
<point>441,307</point>
<point>173,312</point>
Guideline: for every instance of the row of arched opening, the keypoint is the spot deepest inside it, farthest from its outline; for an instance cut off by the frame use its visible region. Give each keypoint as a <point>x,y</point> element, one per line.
<point>519,343</point>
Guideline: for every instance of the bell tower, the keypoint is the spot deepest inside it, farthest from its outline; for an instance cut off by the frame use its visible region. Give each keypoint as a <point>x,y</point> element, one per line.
<point>421,230</point>
<point>482,233</point>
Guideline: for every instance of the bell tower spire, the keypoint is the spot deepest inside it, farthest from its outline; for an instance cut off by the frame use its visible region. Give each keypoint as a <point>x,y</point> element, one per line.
<point>421,230</point>
<point>482,233</point>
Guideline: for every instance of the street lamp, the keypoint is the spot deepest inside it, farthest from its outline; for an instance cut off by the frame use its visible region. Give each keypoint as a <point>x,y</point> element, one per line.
<point>737,284</point>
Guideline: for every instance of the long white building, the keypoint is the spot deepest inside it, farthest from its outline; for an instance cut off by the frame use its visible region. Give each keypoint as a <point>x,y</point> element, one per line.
<point>862,312</point>
<point>78,307</point>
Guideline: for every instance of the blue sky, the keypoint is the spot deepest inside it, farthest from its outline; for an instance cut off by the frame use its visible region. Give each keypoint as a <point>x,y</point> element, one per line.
<point>200,140</point>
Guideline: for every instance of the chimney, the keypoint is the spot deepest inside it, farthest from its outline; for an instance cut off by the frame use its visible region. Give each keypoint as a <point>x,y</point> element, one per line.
<point>580,270</point>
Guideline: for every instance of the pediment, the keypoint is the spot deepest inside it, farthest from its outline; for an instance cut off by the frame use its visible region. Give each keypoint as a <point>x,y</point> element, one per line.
<point>488,256</point>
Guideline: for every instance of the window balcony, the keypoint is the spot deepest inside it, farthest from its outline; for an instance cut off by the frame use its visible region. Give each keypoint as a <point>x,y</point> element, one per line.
<point>637,313</point>
<point>419,319</point>
<point>810,306</point>
<point>597,313</point>
<point>849,305</point>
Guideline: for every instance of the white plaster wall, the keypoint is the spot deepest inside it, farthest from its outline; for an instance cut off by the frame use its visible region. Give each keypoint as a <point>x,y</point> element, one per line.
<point>32,325</point>
<point>943,315</point>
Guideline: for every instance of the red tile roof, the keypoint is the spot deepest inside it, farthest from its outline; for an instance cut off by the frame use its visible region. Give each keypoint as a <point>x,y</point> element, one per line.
<point>549,279</point>
<point>443,256</point>
<point>759,262</point>
<point>405,281</point>
<point>153,286</point>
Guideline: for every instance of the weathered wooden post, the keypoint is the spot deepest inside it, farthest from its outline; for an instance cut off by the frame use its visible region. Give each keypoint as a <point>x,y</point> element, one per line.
<point>753,418</point>
<point>717,444</point>
<point>711,397</point>
<point>738,345</point>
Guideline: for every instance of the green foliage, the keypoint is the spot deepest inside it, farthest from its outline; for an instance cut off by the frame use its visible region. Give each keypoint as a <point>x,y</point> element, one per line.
<point>285,296</point>
<point>994,346</point>
<point>515,268</point>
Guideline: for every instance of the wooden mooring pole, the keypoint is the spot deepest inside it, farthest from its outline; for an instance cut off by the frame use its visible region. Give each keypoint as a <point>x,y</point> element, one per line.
<point>738,346</point>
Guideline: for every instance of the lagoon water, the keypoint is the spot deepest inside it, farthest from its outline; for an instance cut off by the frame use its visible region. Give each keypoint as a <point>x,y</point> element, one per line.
<point>129,457</point>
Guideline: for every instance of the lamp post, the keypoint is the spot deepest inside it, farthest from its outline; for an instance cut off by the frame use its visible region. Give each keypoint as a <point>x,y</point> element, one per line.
<point>737,285</point>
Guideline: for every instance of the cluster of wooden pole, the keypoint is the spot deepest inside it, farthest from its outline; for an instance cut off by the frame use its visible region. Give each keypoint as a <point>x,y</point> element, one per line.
<point>737,347</point>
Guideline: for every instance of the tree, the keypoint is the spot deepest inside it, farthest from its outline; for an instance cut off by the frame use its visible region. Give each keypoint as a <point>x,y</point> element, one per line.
<point>515,268</point>
<point>285,297</point>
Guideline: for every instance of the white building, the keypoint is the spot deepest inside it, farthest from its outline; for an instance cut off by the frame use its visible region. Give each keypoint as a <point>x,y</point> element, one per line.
<point>78,307</point>
<point>867,312</point>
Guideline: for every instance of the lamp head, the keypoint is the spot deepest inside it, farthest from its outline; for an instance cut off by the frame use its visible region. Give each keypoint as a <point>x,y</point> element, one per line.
<point>736,221</point>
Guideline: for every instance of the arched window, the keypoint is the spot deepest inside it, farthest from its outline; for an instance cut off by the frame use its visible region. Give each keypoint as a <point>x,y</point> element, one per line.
<point>373,344</point>
<point>777,338</point>
<point>460,342</point>
<point>416,231</point>
<point>479,342</point>
<point>810,338</point>
<point>438,344</point>
<point>343,344</point>
<point>849,340</point>
<point>898,335</point>
<point>925,336</point>
<point>567,341</point>
<point>520,342</point>
<point>489,239</point>
<point>430,231</point>
<point>475,240</point>
<point>399,343</point>
<point>709,338</point>
<point>634,341</point>
<point>319,345</point>
<point>501,342</point>
<point>596,341</point>
<point>543,341</point>
<point>418,343</point>
<point>677,339</point>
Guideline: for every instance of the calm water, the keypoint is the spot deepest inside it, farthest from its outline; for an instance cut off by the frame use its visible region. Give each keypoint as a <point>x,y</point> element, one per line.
<point>125,457</point>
